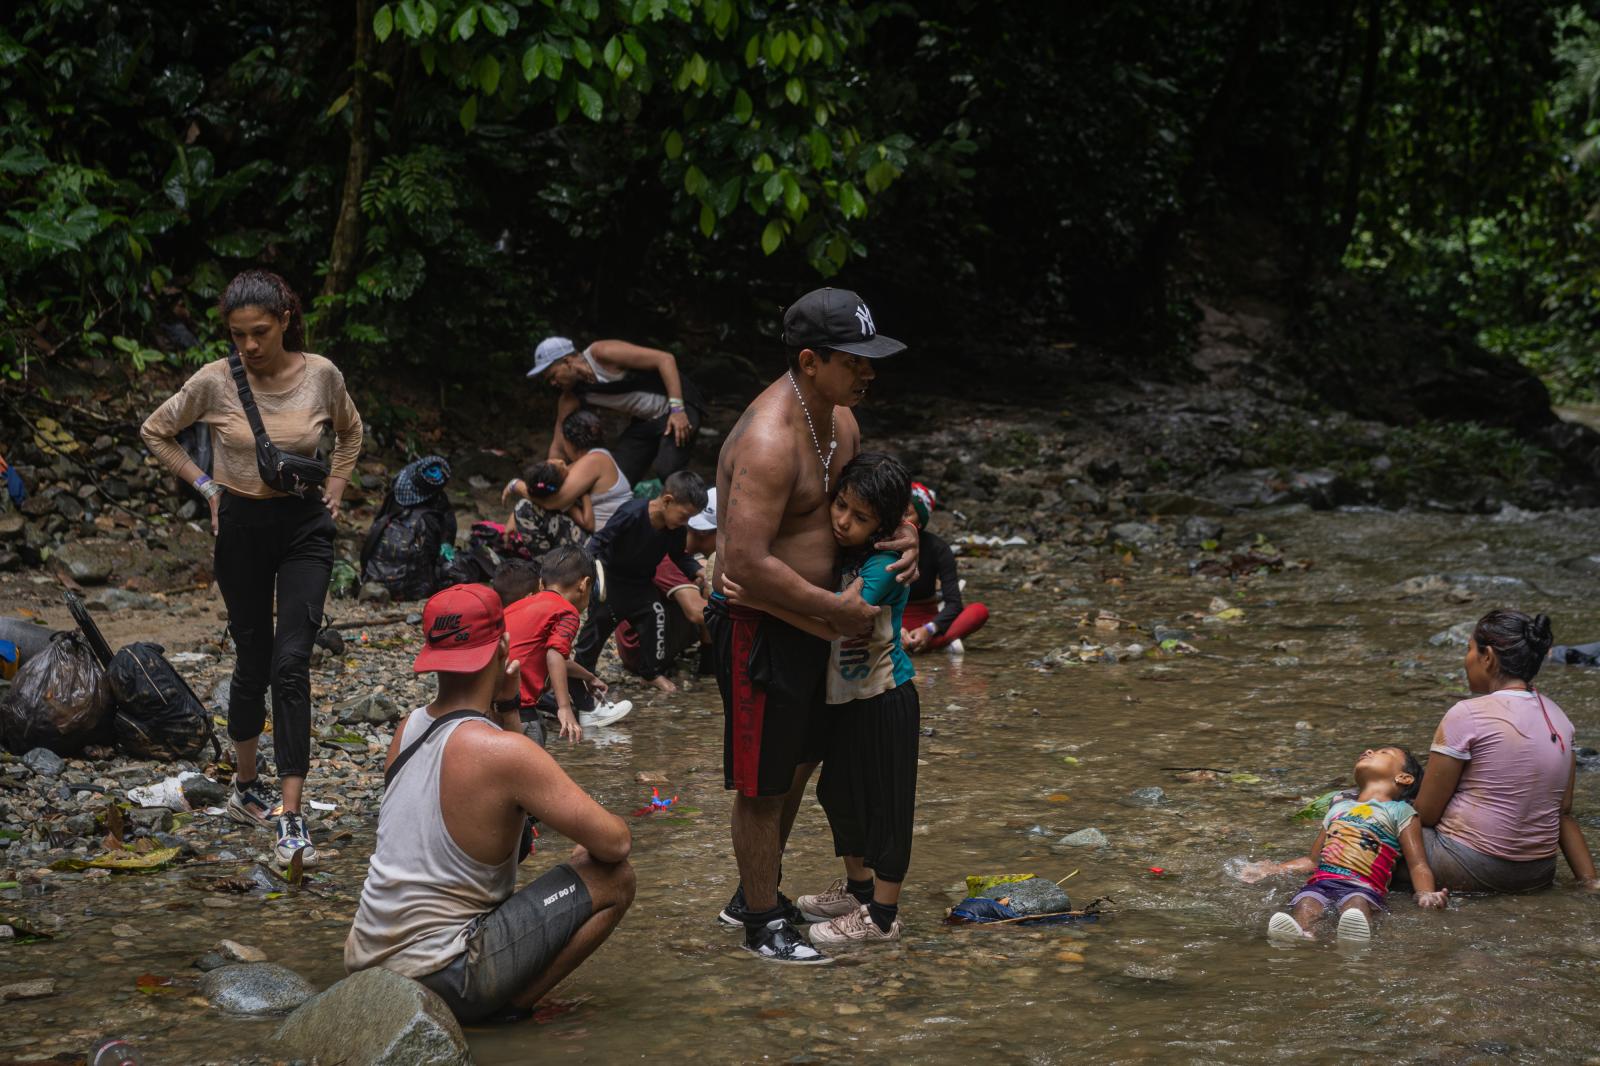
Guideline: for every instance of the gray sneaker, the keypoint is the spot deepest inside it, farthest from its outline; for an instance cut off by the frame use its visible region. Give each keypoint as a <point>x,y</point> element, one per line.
<point>828,905</point>
<point>253,804</point>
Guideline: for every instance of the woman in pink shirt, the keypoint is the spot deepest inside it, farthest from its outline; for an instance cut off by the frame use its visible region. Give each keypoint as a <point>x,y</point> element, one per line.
<point>1496,801</point>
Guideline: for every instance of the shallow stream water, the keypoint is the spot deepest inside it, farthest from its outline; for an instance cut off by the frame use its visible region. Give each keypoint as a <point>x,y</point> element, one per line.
<point>1323,663</point>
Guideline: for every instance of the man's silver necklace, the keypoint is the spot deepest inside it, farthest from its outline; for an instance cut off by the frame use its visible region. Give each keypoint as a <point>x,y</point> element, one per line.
<point>825,460</point>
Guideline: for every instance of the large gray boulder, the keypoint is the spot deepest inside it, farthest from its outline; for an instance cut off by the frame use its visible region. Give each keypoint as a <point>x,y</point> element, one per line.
<point>255,988</point>
<point>372,1017</point>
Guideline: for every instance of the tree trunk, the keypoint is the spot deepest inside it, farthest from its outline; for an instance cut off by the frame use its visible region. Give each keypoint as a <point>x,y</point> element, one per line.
<point>345,255</point>
<point>1358,131</point>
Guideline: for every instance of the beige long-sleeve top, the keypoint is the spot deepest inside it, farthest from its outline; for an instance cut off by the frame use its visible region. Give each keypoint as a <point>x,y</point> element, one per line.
<point>299,420</point>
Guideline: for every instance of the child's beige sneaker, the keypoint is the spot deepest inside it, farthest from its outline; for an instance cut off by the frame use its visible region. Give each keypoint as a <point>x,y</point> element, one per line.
<point>856,927</point>
<point>824,906</point>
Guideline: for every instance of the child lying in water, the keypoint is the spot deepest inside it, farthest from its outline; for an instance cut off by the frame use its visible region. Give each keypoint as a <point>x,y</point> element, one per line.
<point>1355,854</point>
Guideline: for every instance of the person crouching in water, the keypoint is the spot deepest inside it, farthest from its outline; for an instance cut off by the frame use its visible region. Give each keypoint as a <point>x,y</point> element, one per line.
<point>868,786</point>
<point>439,904</point>
<point>1356,852</point>
<point>935,616</point>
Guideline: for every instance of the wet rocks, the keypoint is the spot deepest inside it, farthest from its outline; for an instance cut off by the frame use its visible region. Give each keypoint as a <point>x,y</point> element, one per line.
<point>1197,530</point>
<point>1084,838</point>
<point>1147,797</point>
<point>44,762</point>
<point>1456,636</point>
<point>401,1021</point>
<point>372,592</point>
<point>233,951</point>
<point>1177,503</point>
<point>35,989</point>
<point>256,988</point>
<point>115,599</point>
<point>1135,534</point>
<point>1036,895</point>
<point>87,564</point>
<point>375,708</point>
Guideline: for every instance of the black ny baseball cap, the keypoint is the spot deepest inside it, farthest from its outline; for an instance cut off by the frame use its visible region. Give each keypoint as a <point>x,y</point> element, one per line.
<point>837,319</point>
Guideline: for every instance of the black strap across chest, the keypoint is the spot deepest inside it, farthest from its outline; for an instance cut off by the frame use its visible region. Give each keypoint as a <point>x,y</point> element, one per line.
<point>406,753</point>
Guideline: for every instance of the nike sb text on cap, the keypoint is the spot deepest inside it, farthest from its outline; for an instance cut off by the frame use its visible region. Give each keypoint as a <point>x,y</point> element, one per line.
<point>460,628</point>
<point>836,319</point>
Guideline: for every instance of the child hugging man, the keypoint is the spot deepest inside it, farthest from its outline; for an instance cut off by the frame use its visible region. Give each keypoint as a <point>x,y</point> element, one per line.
<point>869,770</point>
<point>542,627</point>
<point>631,547</point>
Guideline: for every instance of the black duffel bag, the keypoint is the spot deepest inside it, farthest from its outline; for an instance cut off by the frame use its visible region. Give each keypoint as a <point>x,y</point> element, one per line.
<point>158,716</point>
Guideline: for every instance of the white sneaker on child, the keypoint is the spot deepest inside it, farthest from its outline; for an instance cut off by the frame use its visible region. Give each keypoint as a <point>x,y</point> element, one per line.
<point>955,647</point>
<point>1353,925</point>
<point>605,714</point>
<point>1282,926</point>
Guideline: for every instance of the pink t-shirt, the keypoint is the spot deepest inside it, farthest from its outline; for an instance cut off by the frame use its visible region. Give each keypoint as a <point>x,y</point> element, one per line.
<point>1508,803</point>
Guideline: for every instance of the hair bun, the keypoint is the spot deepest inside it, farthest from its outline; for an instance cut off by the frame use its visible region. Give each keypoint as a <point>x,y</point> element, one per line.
<point>1539,631</point>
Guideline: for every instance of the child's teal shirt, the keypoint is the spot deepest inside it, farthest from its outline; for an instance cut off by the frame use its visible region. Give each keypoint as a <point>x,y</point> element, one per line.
<point>863,667</point>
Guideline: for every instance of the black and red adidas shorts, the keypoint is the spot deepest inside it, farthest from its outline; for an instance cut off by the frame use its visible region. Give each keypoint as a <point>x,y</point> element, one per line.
<point>774,712</point>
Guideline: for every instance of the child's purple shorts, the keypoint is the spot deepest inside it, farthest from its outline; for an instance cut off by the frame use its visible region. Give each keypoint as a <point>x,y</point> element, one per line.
<point>1333,892</point>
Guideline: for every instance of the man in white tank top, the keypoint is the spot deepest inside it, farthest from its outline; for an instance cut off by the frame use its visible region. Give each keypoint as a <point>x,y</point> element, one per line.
<point>439,903</point>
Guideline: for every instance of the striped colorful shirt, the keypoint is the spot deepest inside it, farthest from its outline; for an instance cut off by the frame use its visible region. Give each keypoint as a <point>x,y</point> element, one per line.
<point>1361,842</point>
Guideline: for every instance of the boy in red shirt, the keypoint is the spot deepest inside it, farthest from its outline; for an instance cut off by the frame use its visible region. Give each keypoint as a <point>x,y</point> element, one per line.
<point>542,628</point>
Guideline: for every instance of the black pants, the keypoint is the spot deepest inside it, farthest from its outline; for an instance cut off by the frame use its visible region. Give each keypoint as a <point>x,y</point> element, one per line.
<point>646,445</point>
<point>282,545</point>
<point>869,779</point>
<point>641,606</point>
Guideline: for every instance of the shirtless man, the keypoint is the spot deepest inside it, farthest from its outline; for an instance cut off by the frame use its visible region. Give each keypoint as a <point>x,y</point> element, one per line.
<point>775,540</point>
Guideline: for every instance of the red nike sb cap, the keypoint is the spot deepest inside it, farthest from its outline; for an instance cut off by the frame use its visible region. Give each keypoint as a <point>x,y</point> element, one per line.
<point>460,628</point>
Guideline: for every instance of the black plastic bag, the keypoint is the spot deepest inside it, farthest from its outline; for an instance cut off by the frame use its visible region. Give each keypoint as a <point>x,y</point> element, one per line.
<point>58,700</point>
<point>158,716</point>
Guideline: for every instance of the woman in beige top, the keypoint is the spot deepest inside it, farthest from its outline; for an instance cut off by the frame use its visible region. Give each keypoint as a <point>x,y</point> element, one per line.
<point>267,539</point>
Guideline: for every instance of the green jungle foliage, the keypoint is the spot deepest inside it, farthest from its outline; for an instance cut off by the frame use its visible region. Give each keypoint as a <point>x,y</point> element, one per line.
<point>445,179</point>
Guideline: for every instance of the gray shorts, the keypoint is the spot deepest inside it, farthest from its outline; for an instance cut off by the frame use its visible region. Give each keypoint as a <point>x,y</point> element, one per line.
<point>509,947</point>
<point>1462,869</point>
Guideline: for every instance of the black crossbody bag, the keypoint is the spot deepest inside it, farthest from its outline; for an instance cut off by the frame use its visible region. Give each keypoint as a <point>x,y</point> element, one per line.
<point>525,844</point>
<point>285,471</point>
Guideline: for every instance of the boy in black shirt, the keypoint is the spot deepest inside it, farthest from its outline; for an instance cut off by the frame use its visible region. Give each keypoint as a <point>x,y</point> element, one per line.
<point>630,546</point>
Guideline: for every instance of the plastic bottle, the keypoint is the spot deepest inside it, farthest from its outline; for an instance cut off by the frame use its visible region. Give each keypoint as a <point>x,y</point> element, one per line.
<point>114,1051</point>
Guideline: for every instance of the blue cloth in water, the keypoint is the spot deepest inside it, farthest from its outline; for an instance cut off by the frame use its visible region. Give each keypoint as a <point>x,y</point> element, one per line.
<point>14,487</point>
<point>979,910</point>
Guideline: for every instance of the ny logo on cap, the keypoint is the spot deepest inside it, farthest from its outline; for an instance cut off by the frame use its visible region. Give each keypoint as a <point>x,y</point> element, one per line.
<point>865,318</point>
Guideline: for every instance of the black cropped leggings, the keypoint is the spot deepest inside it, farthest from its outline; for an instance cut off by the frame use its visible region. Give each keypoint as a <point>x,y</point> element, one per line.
<point>283,545</point>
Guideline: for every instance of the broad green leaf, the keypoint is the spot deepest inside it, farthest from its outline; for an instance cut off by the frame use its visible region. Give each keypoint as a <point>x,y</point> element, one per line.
<point>429,53</point>
<point>428,15</point>
<point>752,50</point>
<point>771,237</point>
<point>127,861</point>
<point>777,45</point>
<point>743,107</point>
<point>493,20</point>
<point>464,25</point>
<point>762,164</point>
<point>838,250</point>
<point>791,42</point>
<point>693,180</point>
<point>532,63</point>
<point>383,23</point>
<point>726,198</point>
<point>814,47</point>
<point>582,52</point>
<point>469,113</point>
<point>773,188</point>
<point>821,150</point>
<point>674,144</point>
<point>589,102</point>
<point>698,69</point>
<point>338,104</point>
<point>486,72</point>
<point>613,52</point>
<point>851,202</point>
<point>553,63</point>
<point>794,89</point>
<point>20,160</point>
<point>792,199</point>
<point>880,175</point>
<point>708,220</point>
<point>635,48</point>
<point>406,16</point>
<point>625,68</point>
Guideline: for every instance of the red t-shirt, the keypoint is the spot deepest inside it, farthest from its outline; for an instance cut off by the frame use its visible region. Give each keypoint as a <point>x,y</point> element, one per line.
<point>537,624</point>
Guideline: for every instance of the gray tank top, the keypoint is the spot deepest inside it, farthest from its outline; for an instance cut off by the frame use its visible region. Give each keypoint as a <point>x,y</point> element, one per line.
<point>422,891</point>
<point>606,503</point>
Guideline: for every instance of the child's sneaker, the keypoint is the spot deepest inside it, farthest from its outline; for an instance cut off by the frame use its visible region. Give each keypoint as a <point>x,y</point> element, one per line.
<point>1282,926</point>
<point>605,714</point>
<point>293,838</point>
<point>1353,925</point>
<point>857,927</point>
<point>825,906</point>
<point>956,648</point>
<point>778,941</point>
<point>253,804</point>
